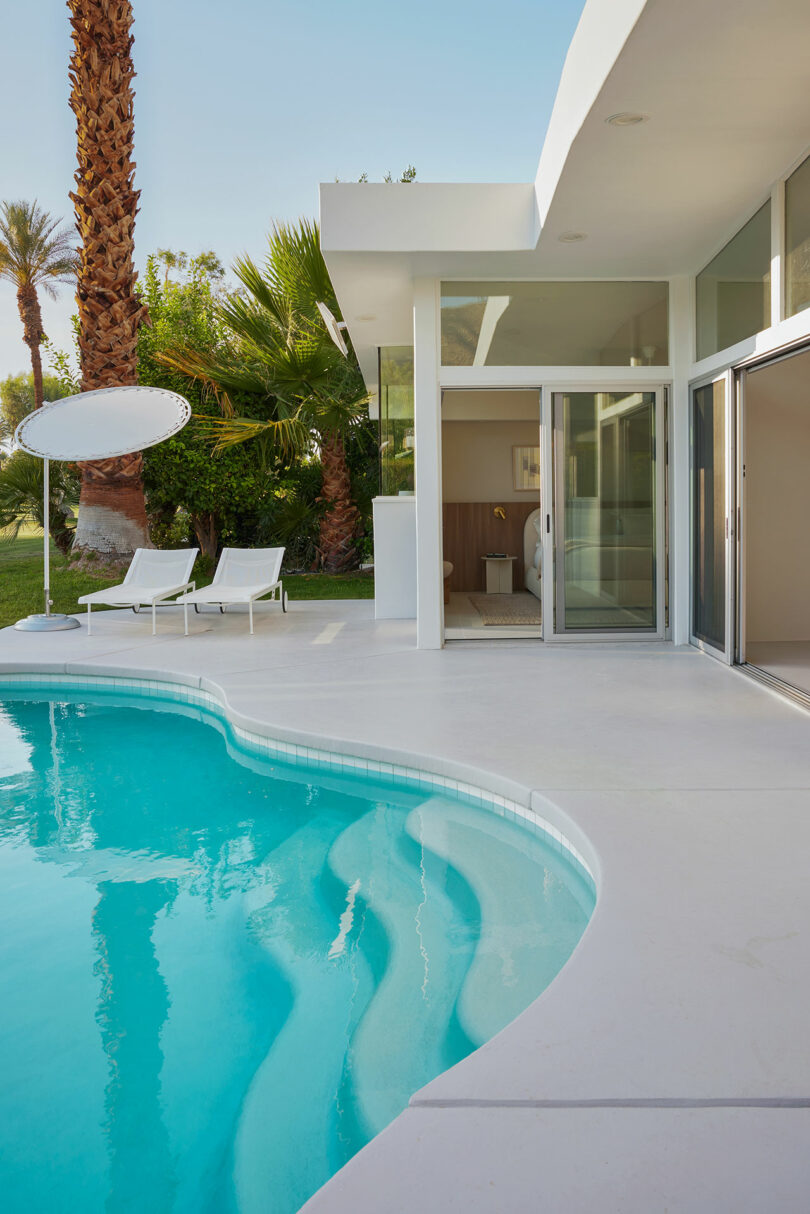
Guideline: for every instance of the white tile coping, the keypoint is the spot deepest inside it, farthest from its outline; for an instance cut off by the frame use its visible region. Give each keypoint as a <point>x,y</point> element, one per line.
<point>188,691</point>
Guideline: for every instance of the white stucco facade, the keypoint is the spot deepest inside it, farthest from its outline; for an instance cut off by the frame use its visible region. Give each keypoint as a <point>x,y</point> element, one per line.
<point>722,95</point>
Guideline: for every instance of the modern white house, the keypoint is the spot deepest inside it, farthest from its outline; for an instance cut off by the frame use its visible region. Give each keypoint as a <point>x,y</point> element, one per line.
<point>594,389</point>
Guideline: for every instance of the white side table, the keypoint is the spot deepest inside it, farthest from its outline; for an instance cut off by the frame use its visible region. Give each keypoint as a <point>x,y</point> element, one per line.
<point>499,573</point>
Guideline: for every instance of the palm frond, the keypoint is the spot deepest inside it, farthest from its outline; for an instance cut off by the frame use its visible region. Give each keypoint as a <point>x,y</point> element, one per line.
<point>288,436</point>
<point>261,289</point>
<point>217,375</point>
<point>34,249</point>
<point>280,352</point>
<point>295,267</point>
<point>21,493</point>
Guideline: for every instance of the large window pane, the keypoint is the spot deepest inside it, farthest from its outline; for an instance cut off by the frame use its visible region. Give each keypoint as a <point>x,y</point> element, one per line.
<point>797,239</point>
<point>709,515</point>
<point>606,477</point>
<point>396,420</point>
<point>734,290</point>
<point>530,324</point>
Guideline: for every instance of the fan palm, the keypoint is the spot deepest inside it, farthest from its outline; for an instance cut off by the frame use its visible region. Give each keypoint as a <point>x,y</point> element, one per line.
<point>281,354</point>
<point>34,252</point>
<point>112,514</point>
<point>21,497</point>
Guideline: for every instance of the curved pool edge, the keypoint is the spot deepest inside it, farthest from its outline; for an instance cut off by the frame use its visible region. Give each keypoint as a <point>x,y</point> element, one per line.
<point>661,1039</point>
<point>315,751</point>
<point>309,751</point>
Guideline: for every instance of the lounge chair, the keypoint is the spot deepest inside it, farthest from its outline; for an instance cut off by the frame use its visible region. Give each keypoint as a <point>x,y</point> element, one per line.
<point>243,575</point>
<point>154,575</point>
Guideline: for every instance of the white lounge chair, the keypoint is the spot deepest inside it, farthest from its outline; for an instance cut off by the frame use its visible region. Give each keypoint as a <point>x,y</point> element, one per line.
<point>154,575</point>
<point>243,575</point>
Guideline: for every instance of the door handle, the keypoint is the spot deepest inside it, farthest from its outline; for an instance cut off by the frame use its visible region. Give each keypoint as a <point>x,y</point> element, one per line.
<point>548,524</point>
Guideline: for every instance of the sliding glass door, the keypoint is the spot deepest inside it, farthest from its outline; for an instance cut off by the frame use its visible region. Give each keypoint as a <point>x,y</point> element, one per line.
<point>711,537</point>
<point>774,496</point>
<point>609,510</point>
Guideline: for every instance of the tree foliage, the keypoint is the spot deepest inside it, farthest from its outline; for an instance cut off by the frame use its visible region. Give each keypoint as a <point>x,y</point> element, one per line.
<point>18,399</point>
<point>279,354</point>
<point>22,497</point>
<point>226,495</point>
<point>35,253</point>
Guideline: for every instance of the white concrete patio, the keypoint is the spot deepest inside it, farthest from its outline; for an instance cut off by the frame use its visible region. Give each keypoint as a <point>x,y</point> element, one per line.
<point>666,1068</point>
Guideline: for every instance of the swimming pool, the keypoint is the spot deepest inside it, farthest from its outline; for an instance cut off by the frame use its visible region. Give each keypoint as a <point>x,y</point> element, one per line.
<point>223,973</point>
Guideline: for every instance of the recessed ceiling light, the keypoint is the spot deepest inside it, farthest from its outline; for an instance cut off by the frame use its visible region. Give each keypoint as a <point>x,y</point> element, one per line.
<point>572,237</point>
<point>365,318</point>
<point>626,118</point>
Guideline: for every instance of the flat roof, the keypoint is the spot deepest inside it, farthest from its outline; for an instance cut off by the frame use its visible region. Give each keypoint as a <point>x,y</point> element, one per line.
<point>725,91</point>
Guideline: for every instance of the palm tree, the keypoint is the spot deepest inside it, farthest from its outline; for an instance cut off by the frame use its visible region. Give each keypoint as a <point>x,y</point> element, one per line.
<point>34,252</point>
<point>282,355</point>
<point>112,514</point>
<point>21,498</point>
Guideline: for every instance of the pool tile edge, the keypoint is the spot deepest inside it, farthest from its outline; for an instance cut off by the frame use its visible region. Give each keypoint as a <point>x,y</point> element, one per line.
<point>251,733</point>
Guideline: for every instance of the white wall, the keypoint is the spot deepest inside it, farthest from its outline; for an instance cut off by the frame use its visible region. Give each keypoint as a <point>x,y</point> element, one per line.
<point>777,502</point>
<point>491,405</point>
<point>477,460</point>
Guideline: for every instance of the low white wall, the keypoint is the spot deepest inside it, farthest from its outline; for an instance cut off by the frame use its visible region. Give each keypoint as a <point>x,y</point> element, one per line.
<point>394,558</point>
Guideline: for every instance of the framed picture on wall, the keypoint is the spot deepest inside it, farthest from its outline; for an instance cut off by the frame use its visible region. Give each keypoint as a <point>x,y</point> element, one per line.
<point>526,468</point>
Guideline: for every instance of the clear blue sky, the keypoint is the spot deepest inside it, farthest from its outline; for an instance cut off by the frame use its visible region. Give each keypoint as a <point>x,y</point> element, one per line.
<point>244,106</point>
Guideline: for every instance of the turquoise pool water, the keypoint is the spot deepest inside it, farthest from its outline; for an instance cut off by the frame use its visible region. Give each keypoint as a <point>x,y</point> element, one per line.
<point>222,974</point>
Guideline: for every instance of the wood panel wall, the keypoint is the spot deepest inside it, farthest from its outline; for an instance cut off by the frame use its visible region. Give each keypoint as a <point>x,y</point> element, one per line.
<point>471,530</point>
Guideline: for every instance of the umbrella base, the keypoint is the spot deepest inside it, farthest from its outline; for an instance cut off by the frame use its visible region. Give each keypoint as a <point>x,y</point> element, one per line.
<point>47,623</point>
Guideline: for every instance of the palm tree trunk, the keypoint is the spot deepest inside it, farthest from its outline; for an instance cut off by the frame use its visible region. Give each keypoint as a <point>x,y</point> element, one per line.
<point>31,317</point>
<point>112,515</point>
<point>60,532</point>
<point>338,529</point>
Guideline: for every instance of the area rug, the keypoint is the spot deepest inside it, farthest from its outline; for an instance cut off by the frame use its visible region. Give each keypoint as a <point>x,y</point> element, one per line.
<point>506,609</point>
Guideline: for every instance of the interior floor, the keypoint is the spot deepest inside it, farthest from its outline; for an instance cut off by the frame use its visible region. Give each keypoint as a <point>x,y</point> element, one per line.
<point>785,660</point>
<point>463,619</point>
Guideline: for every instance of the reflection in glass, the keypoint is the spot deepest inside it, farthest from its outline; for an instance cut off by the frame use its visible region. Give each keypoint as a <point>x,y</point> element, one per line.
<point>397,445</point>
<point>507,324</point>
<point>734,290</point>
<point>606,469</point>
<point>797,239</point>
<point>709,515</point>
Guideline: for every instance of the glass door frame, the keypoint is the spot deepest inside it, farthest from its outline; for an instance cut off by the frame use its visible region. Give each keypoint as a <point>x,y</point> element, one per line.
<point>553,505</point>
<point>737,375</point>
<point>543,502</point>
<point>733,471</point>
<point>737,575</point>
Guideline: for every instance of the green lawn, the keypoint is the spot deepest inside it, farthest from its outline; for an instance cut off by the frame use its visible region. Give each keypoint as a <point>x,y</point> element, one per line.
<point>21,582</point>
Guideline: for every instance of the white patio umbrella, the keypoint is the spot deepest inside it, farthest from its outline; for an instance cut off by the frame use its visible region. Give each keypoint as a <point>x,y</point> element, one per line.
<point>89,426</point>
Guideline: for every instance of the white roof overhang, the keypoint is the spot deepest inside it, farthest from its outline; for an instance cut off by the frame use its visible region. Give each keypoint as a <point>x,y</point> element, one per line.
<point>726,88</point>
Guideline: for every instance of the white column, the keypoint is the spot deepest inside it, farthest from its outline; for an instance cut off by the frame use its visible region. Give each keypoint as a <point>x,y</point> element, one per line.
<point>428,484</point>
<point>681,297</point>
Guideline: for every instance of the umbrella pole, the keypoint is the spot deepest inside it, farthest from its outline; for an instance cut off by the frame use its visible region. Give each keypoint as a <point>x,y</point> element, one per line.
<point>46,519</point>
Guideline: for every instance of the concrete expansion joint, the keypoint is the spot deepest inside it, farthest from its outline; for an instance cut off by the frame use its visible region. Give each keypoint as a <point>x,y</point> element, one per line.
<point>708,1102</point>
<point>632,789</point>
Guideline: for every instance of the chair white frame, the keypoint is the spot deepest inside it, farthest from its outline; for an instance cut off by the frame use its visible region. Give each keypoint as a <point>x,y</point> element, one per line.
<point>112,596</point>
<point>208,594</point>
